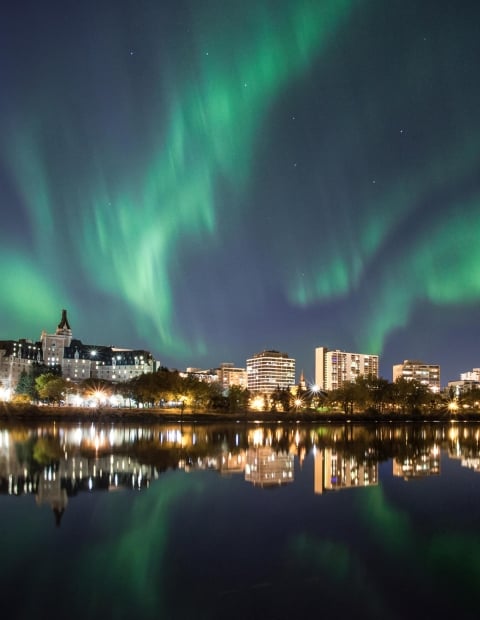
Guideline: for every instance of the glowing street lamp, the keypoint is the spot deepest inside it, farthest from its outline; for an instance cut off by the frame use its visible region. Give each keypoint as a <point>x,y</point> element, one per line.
<point>258,403</point>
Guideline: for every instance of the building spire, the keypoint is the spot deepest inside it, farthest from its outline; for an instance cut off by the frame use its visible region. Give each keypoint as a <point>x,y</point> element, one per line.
<point>302,384</point>
<point>64,321</point>
<point>64,329</point>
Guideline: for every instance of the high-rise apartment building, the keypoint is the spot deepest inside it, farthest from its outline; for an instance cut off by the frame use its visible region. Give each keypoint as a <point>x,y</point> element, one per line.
<point>270,370</point>
<point>427,374</point>
<point>334,368</point>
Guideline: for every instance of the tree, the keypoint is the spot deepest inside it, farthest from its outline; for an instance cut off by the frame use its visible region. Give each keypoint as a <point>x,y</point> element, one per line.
<point>51,387</point>
<point>346,396</point>
<point>410,395</point>
<point>198,393</point>
<point>281,397</point>
<point>470,399</point>
<point>237,398</point>
<point>145,389</point>
<point>26,386</point>
<point>379,392</point>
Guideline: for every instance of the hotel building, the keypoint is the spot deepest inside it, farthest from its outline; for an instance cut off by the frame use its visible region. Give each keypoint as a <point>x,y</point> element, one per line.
<point>270,370</point>
<point>334,368</point>
<point>60,352</point>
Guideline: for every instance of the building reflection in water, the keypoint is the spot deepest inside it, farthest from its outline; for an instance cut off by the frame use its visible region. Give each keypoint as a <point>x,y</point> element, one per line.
<point>334,470</point>
<point>55,463</point>
<point>264,467</point>
<point>51,492</point>
<point>425,463</point>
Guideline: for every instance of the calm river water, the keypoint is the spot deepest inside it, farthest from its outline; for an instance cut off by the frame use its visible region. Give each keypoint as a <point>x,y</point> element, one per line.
<point>240,521</point>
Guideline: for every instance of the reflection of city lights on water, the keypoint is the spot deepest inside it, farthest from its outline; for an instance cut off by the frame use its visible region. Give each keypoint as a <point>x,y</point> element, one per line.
<point>4,439</point>
<point>453,434</point>
<point>257,437</point>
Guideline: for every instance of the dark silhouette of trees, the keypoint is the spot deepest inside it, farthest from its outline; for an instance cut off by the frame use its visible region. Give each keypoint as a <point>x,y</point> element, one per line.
<point>281,399</point>
<point>470,400</point>
<point>410,395</point>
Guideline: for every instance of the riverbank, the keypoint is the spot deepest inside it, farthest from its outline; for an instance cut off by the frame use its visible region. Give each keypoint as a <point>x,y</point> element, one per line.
<point>31,413</point>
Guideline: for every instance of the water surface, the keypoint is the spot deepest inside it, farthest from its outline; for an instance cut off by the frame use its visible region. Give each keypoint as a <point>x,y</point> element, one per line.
<point>240,521</point>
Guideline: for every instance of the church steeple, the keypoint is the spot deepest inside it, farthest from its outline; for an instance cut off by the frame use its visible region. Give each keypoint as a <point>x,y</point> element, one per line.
<point>302,384</point>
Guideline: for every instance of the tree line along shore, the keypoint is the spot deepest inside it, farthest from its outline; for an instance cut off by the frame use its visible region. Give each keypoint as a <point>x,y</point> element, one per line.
<point>168,394</point>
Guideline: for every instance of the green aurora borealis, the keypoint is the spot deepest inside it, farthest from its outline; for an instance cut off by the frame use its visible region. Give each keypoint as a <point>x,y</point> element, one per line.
<point>210,179</point>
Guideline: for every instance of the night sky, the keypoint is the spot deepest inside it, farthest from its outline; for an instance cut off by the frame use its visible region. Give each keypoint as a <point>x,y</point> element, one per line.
<point>207,179</point>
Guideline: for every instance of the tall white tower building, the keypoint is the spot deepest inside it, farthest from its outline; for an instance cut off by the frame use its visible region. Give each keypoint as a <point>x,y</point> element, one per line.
<point>334,368</point>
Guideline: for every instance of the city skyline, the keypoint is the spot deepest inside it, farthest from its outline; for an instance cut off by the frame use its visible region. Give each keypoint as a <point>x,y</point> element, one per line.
<point>69,352</point>
<point>218,178</point>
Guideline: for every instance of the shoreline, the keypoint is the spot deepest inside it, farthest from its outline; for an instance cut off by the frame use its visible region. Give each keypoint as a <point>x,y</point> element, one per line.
<point>33,413</point>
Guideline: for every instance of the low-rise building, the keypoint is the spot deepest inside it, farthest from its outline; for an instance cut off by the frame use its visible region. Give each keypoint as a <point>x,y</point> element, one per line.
<point>463,386</point>
<point>206,376</point>
<point>229,376</point>
<point>426,374</point>
<point>471,375</point>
